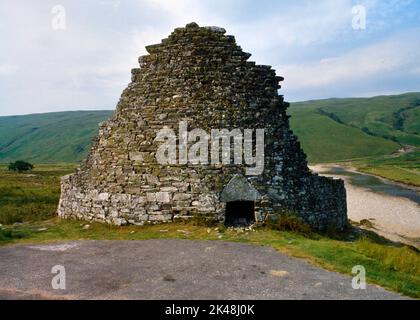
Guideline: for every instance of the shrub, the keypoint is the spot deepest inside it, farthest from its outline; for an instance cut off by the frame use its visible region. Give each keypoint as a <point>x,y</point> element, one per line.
<point>20,166</point>
<point>288,222</point>
<point>7,235</point>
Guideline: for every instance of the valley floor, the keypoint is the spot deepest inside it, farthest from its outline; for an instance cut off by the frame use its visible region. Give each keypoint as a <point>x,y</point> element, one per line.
<point>402,167</point>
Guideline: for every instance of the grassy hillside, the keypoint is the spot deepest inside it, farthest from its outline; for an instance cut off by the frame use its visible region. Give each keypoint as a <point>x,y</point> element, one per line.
<point>329,130</point>
<point>324,139</point>
<point>338,129</point>
<point>49,137</point>
<point>368,131</point>
<point>392,117</point>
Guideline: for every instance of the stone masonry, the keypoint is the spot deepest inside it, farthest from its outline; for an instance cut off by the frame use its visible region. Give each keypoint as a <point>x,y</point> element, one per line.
<point>198,75</point>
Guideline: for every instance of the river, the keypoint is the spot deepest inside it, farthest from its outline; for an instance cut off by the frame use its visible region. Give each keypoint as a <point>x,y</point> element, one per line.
<point>393,209</point>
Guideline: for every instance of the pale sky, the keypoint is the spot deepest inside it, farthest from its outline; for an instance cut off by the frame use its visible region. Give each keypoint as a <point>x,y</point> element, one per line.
<point>311,43</point>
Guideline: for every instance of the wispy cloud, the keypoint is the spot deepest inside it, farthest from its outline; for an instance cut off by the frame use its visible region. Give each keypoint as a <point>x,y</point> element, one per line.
<point>298,24</point>
<point>398,54</point>
<point>7,69</point>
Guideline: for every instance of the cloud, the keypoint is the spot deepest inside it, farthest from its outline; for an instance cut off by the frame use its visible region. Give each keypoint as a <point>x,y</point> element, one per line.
<point>416,71</point>
<point>87,66</point>
<point>7,69</point>
<point>312,22</point>
<point>398,54</point>
<point>178,11</point>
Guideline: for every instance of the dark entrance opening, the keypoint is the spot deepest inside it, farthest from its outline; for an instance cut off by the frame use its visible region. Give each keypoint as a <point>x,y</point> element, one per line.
<point>240,213</point>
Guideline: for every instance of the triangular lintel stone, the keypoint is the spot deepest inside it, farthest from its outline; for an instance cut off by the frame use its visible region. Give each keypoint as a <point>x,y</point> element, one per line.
<point>239,189</point>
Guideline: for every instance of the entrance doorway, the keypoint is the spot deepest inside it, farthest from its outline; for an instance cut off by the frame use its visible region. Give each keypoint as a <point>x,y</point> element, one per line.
<point>240,213</point>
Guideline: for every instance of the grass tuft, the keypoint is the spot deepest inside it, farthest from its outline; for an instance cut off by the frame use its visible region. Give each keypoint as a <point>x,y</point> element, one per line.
<point>402,259</point>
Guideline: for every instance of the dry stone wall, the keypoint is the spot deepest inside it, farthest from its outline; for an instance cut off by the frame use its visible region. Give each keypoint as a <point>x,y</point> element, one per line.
<point>201,76</point>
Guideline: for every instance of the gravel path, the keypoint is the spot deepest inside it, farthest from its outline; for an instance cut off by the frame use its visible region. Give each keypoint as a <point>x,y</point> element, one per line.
<point>169,269</point>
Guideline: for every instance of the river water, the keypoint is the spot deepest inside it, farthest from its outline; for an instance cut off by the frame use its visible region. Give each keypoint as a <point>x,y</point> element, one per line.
<point>376,184</point>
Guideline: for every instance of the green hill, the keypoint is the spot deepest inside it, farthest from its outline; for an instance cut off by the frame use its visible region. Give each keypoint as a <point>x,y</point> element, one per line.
<point>340,129</point>
<point>49,137</point>
<point>329,130</point>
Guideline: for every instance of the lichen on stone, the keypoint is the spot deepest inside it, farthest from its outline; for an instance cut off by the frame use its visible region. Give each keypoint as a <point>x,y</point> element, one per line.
<point>198,75</point>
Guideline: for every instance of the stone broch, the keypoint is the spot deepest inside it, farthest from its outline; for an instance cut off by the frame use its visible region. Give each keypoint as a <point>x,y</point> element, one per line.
<point>198,75</point>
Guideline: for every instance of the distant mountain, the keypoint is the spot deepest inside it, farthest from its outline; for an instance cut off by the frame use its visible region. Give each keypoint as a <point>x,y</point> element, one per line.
<point>340,129</point>
<point>49,137</point>
<point>329,130</point>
